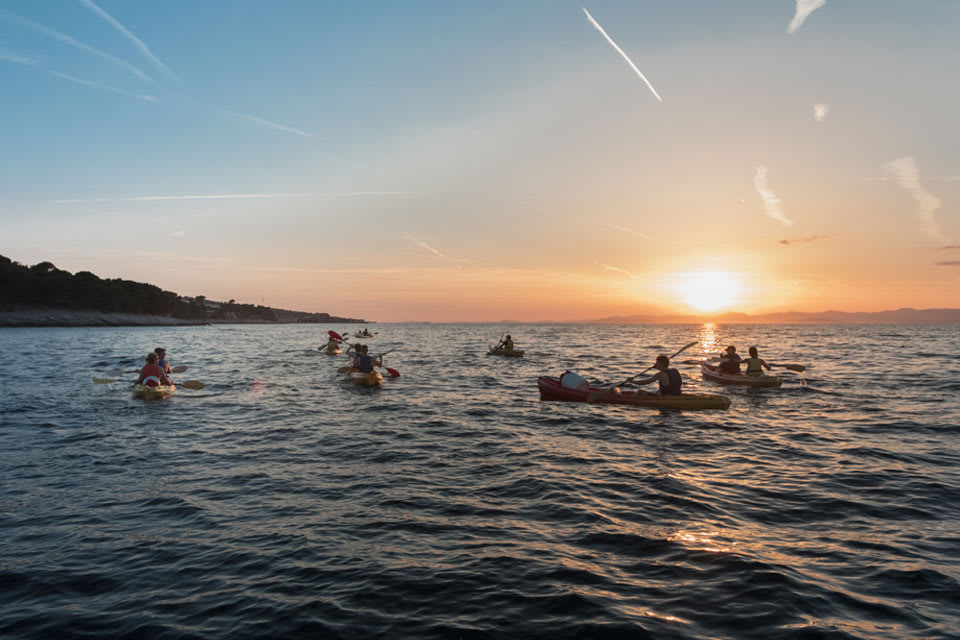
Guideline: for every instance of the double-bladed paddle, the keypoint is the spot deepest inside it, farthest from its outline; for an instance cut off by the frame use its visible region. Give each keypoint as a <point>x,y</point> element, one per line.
<point>603,393</point>
<point>186,384</point>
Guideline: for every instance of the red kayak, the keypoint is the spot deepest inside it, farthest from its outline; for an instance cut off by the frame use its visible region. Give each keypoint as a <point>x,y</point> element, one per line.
<point>551,389</point>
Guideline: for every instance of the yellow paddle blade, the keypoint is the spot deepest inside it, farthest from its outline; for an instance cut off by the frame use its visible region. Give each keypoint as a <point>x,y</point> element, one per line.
<point>191,384</point>
<point>105,380</point>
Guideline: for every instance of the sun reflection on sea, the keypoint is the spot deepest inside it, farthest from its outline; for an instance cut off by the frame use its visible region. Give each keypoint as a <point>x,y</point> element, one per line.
<point>709,338</point>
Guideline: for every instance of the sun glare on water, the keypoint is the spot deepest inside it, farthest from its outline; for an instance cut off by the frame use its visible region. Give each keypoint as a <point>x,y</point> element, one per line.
<point>710,291</point>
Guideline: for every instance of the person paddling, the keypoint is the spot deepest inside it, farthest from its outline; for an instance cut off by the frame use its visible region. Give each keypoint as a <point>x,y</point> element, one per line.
<point>364,363</point>
<point>671,383</point>
<point>162,359</point>
<point>755,364</point>
<point>332,344</point>
<point>730,361</point>
<point>152,375</point>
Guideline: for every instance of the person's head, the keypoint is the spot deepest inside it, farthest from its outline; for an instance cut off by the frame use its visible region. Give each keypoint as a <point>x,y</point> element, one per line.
<point>151,358</point>
<point>754,352</point>
<point>731,349</point>
<point>365,349</point>
<point>160,351</point>
<point>508,337</point>
<point>662,363</point>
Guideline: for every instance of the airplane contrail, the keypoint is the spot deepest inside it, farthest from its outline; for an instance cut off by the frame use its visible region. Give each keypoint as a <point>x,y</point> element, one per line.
<point>597,26</point>
<point>137,42</point>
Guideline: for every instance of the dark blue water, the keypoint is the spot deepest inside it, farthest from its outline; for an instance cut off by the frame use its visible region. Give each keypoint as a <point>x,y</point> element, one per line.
<point>281,501</point>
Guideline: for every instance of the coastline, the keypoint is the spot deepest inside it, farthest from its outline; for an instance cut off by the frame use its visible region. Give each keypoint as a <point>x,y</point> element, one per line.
<point>87,318</point>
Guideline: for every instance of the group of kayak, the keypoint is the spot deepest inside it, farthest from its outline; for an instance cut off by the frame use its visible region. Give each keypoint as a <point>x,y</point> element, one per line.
<point>573,387</point>
<point>362,369</point>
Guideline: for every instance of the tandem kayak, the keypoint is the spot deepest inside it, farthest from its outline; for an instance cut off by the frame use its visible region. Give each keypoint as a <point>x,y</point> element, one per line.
<point>360,335</point>
<point>713,373</point>
<point>512,353</point>
<point>153,393</point>
<point>372,379</point>
<point>551,389</point>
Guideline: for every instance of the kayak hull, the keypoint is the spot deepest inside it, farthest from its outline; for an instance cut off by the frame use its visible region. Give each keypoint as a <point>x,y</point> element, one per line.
<point>331,352</point>
<point>372,379</point>
<point>714,374</point>
<point>551,389</point>
<point>513,353</point>
<point>153,393</point>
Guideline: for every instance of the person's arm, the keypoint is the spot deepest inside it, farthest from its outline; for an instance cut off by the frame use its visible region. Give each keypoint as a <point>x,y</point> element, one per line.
<point>764,363</point>
<point>649,380</point>
<point>140,379</point>
<point>164,379</point>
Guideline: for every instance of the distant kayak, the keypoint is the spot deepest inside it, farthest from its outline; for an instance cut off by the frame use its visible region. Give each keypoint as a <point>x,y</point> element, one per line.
<point>153,393</point>
<point>361,335</point>
<point>512,353</point>
<point>372,379</point>
<point>551,389</point>
<point>713,373</point>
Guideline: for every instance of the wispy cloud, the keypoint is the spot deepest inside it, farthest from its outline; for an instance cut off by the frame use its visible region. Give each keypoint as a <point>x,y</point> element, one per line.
<point>655,239</point>
<point>33,64</point>
<point>597,26</point>
<point>907,175</point>
<point>949,246</point>
<point>268,124</point>
<point>421,243</point>
<point>804,9</point>
<point>179,233</point>
<point>950,263</point>
<point>617,269</point>
<point>771,203</point>
<point>9,16</point>
<point>820,111</point>
<point>236,196</point>
<point>807,239</point>
<point>137,42</point>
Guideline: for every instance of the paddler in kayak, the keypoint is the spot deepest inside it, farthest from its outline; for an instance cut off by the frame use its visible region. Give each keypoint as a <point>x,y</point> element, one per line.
<point>152,375</point>
<point>671,383</point>
<point>755,364</point>
<point>162,359</point>
<point>364,363</point>
<point>730,361</point>
<point>332,344</point>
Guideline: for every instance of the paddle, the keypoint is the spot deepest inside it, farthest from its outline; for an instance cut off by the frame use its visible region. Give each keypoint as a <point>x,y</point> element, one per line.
<point>792,367</point>
<point>393,372</point>
<point>187,384</point>
<point>602,393</point>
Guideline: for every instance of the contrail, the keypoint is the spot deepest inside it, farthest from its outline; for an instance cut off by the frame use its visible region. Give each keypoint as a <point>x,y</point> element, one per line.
<point>907,174</point>
<point>620,51</point>
<point>27,62</point>
<point>617,269</point>
<point>62,37</point>
<point>236,196</point>
<point>269,124</point>
<point>137,42</point>
<point>771,203</point>
<point>804,9</point>
<point>423,244</point>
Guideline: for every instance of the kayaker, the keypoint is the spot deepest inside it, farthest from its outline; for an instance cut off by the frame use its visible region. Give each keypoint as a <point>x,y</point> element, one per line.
<point>508,343</point>
<point>671,383</point>
<point>353,351</point>
<point>755,364</point>
<point>730,361</point>
<point>152,375</point>
<point>364,363</point>
<point>162,359</point>
<point>332,344</point>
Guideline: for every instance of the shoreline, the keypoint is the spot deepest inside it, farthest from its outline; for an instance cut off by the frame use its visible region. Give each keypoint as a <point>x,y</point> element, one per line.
<point>27,318</point>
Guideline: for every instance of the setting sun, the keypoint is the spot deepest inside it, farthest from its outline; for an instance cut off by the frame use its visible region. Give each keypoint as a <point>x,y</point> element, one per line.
<point>710,291</point>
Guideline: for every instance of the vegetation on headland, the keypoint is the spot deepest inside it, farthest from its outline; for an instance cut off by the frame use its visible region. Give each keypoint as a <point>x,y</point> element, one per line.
<point>45,286</point>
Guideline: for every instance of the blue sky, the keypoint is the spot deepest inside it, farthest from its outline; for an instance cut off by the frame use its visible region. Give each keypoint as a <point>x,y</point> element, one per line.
<point>436,160</point>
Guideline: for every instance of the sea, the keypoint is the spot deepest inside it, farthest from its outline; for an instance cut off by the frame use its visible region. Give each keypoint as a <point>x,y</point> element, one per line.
<point>281,501</point>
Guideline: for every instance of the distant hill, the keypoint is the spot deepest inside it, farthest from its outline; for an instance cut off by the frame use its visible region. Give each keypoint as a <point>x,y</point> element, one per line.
<point>46,289</point>
<point>895,316</point>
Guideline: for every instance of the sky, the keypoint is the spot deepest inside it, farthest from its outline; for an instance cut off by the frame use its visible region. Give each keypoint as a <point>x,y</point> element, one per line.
<point>485,161</point>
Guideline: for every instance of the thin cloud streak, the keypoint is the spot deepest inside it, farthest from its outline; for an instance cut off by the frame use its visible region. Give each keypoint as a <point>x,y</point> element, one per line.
<point>597,26</point>
<point>267,123</point>
<point>804,9</point>
<point>33,64</point>
<point>820,111</point>
<point>137,42</point>
<point>807,239</point>
<point>237,196</point>
<point>907,175</point>
<point>949,263</point>
<point>13,18</point>
<point>421,243</point>
<point>771,203</point>
<point>609,267</point>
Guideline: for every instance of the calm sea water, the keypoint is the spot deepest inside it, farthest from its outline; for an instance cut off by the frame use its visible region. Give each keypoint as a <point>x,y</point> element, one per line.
<point>453,503</point>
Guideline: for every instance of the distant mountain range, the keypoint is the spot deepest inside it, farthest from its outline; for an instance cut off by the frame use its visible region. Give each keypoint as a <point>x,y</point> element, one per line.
<point>894,316</point>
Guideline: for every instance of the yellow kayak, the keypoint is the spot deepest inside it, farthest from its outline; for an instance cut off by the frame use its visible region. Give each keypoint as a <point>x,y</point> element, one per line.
<point>333,352</point>
<point>713,373</point>
<point>153,393</point>
<point>372,379</point>
<point>512,353</point>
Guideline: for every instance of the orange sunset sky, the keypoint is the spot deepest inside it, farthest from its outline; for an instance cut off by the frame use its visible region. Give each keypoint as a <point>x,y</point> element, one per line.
<point>488,161</point>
